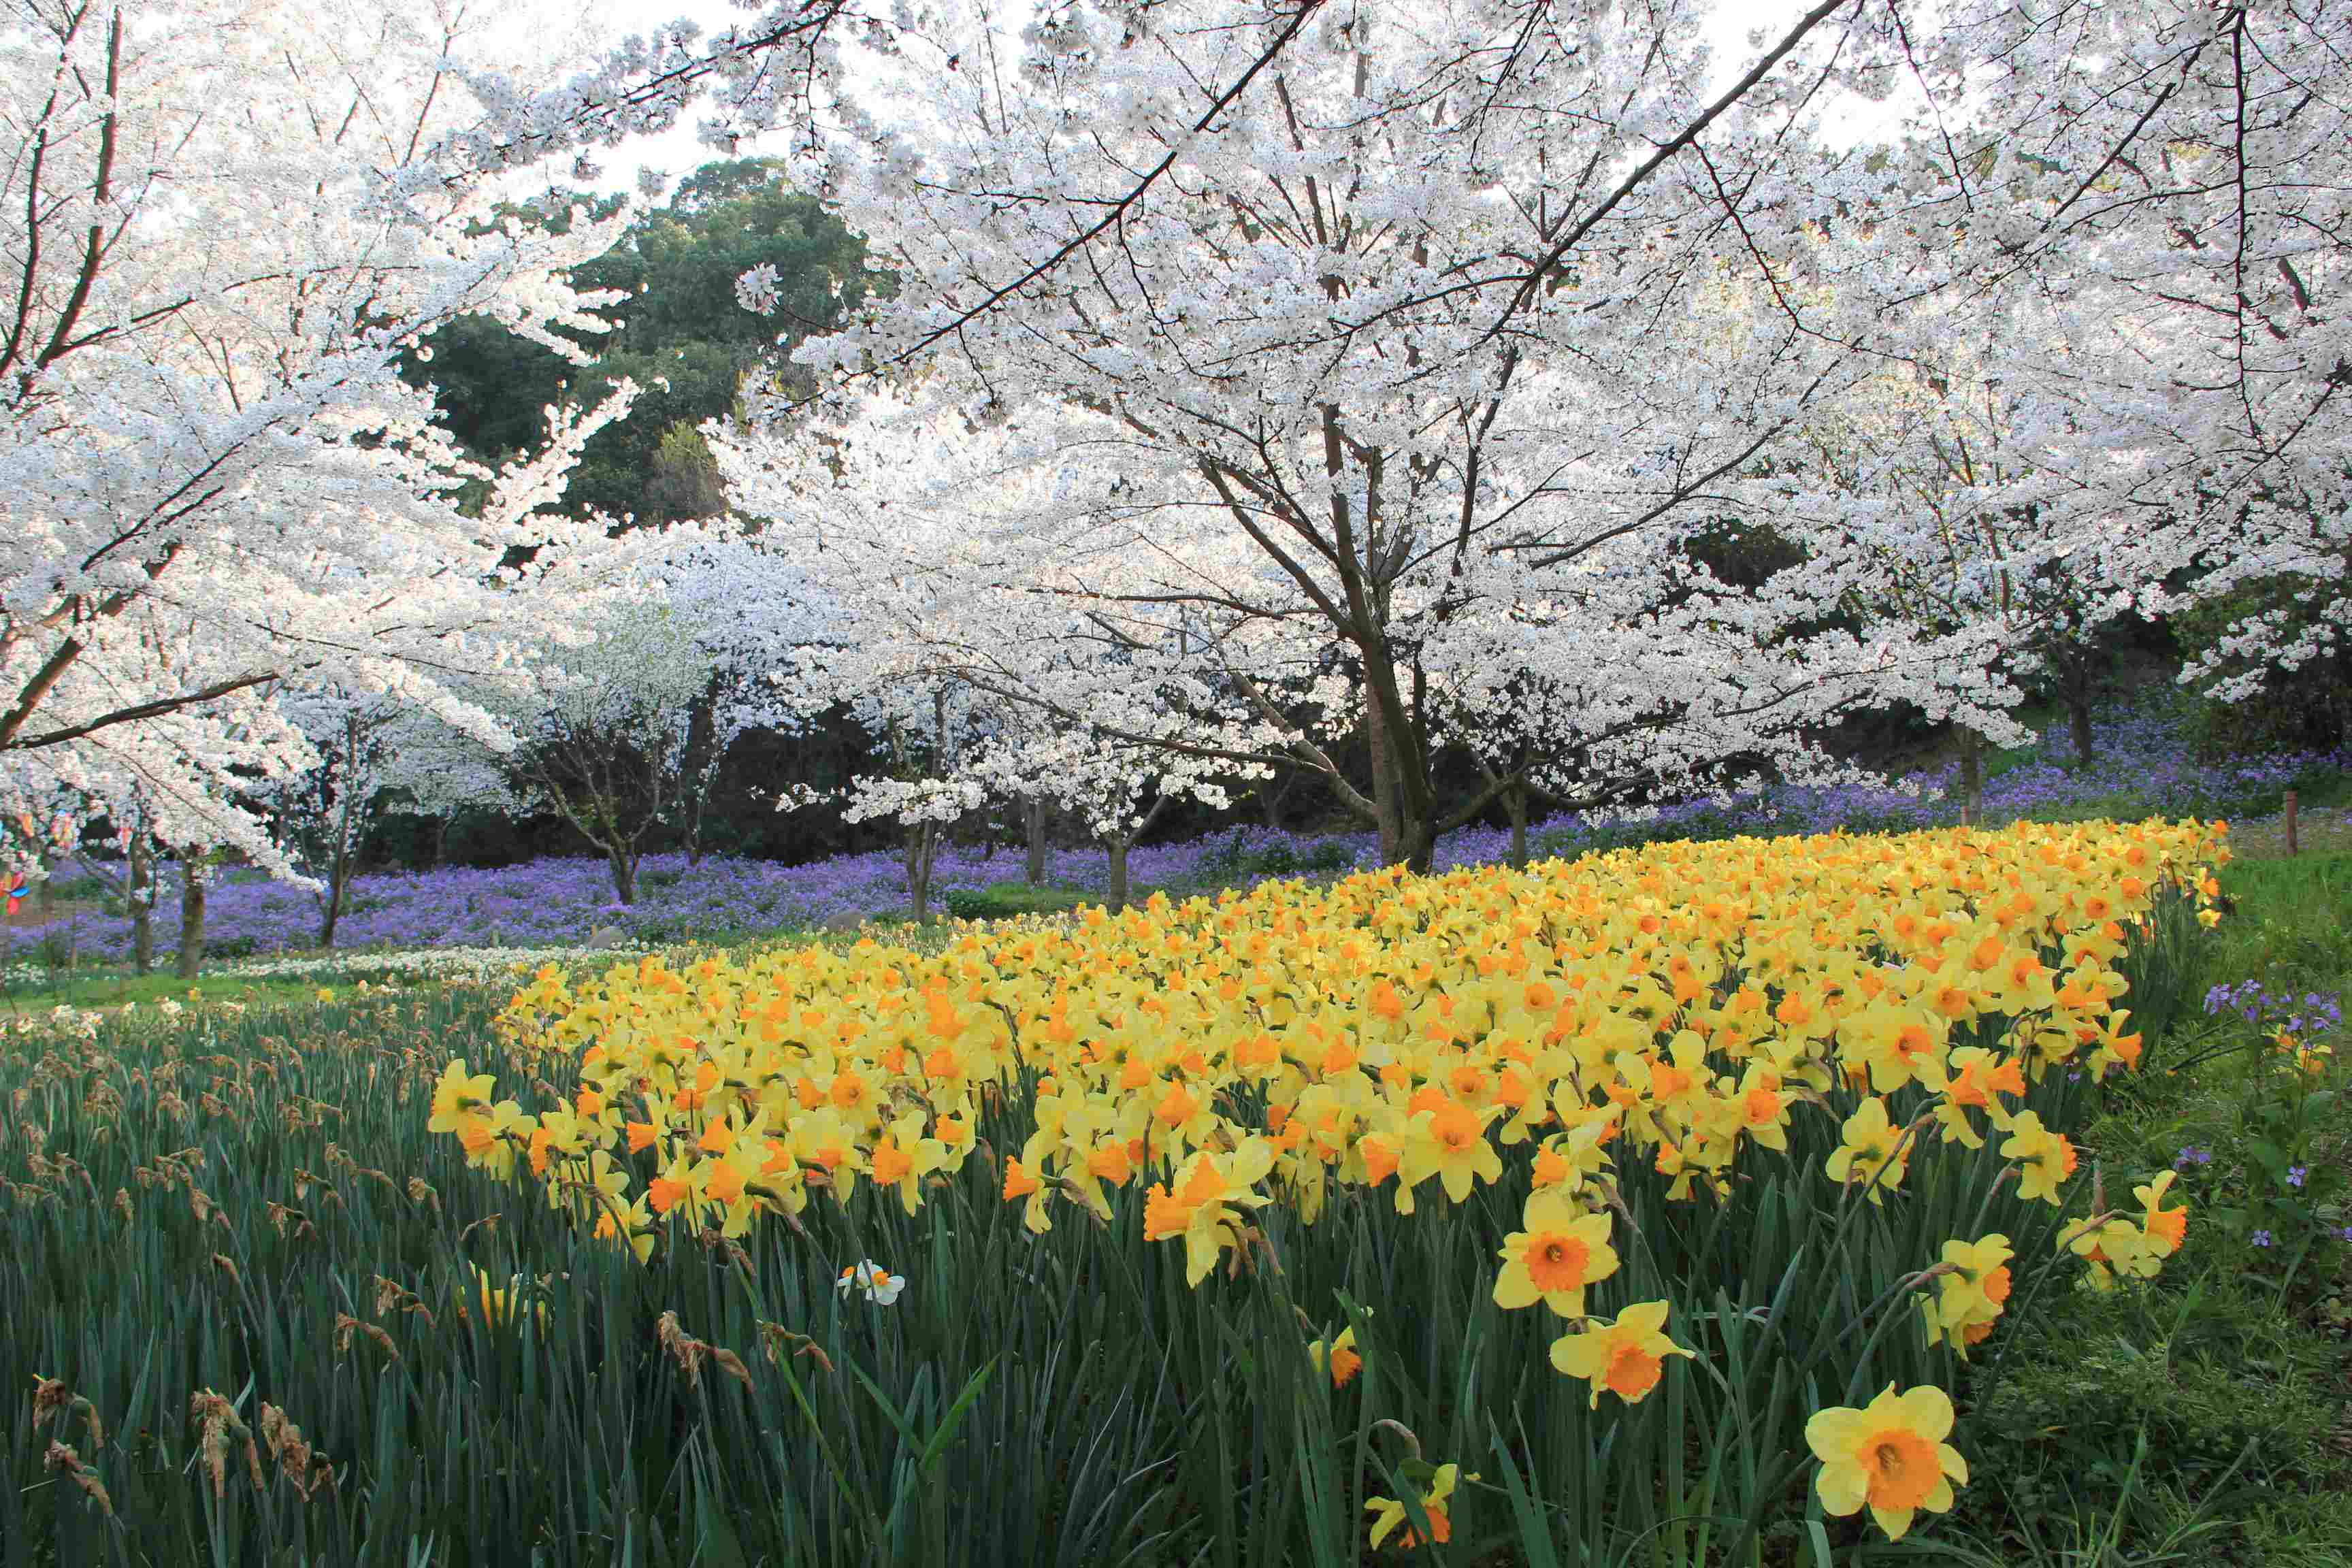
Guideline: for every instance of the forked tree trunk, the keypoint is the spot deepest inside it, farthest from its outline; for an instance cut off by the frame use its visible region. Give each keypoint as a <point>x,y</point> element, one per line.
<point>922,849</point>
<point>624,874</point>
<point>1514,802</point>
<point>192,916</point>
<point>1118,846</point>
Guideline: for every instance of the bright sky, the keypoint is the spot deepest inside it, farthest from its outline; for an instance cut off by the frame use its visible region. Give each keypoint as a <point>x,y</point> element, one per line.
<point>680,151</point>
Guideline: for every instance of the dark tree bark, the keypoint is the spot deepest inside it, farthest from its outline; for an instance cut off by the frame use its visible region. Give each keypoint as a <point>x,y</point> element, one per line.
<point>1271,796</point>
<point>344,850</point>
<point>1118,848</point>
<point>141,900</point>
<point>701,771</point>
<point>1032,822</point>
<point>2078,719</point>
<point>192,915</point>
<point>1383,760</point>
<point>922,851</point>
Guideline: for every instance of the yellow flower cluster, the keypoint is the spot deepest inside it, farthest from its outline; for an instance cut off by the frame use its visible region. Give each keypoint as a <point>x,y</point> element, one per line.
<point>1678,1005</point>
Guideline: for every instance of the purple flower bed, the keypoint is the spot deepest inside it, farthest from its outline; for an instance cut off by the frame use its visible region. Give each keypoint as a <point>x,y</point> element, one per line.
<point>2144,769</point>
<point>554,901</point>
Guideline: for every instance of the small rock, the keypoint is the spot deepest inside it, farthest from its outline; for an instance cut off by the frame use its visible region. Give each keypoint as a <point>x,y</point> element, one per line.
<point>604,937</point>
<point>843,920</point>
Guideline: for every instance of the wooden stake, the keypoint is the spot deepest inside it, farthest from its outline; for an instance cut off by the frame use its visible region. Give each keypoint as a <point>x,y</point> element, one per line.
<point>2290,822</point>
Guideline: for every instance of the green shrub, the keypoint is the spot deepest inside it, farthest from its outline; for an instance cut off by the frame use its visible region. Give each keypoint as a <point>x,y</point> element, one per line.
<point>1003,900</point>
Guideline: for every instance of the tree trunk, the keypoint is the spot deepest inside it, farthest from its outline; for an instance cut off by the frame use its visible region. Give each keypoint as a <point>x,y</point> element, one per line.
<point>1971,779</point>
<point>1514,802</point>
<point>1417,844</point>
<point>1033,821</point>
<point>1270,797</point>
<point>192,915</point>
<point>143,903</point>
<point>700,769</point>
<point>921,850</point>
<point>339,864</point>
<point>625,875</point>
<point>1117,848</point>
<point>2078,710</point>
<point>1384,782</point>
<point>334,910</point>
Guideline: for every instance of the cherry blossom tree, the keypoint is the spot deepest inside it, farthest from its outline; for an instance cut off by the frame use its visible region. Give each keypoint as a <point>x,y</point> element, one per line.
<point>1463,314</point>
<point>214,479</point>
<point>370,751</point>
<point>673,645</point>
<point>1395,408</point>
<point>2166,185</point>
<point>946,632</point>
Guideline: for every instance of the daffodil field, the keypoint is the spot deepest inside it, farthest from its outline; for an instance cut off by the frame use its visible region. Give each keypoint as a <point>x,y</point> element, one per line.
<point>1638,1209</point>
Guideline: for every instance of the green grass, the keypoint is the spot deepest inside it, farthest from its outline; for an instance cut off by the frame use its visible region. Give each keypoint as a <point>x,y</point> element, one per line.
<point>1001,900</point>
<point>249,1204</point>
<point>114,987</point>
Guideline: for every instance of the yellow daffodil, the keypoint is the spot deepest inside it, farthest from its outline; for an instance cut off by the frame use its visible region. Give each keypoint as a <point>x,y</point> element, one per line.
<point>1208,1204</point>
<point>1388,1514</point>
<point>2045,1159</point>
<point>1890,1456</point>
<point>1338,1355</point>
<point>2163,1228</point>
<point>1970,1297</point>
<point>1875,1154</point>
<point>1449,1141</point>
<point>1562,1249</point>
<point>1626,1357</point>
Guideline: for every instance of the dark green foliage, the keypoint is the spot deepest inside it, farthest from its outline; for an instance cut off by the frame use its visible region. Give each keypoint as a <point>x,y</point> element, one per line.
<point>681,336</point>
<point>2308,706</point>
<point>1001,900</point>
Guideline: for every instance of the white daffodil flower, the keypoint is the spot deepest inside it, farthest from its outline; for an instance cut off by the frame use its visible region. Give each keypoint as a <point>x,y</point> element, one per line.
<point>880,1286</point>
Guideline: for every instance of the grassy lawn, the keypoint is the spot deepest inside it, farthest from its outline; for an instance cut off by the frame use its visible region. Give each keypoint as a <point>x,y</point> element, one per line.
<point>102,988</point>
